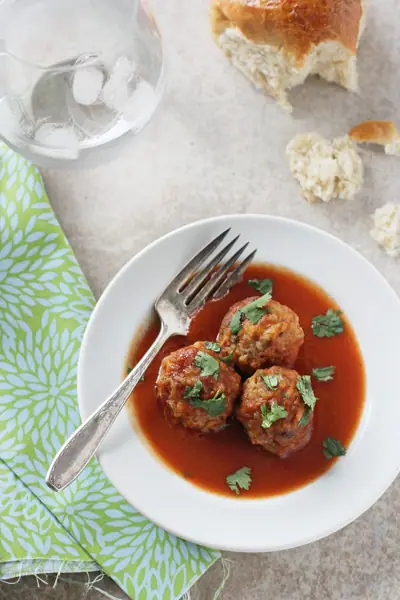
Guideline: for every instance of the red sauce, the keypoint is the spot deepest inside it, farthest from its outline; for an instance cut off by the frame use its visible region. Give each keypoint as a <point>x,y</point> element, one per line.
<point>206,460</point>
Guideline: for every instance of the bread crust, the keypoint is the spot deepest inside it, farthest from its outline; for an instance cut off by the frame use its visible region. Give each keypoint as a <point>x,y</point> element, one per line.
<point>374,132</point>
<point>294,26</point>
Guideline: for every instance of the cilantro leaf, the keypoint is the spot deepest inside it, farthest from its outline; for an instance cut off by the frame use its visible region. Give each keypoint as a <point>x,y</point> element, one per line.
<point>213,346</point>
<point>214,407</point>
<point>207,364</point>
<point>264,286</point>
<point>142,378</point>
<point>236,322</point>
<point>306,392</point>
<point>272,413</point>
<point>255,315</point>
<point>333,448</point>
<point>193,392</point>
<point>227,359</point>
<point>324,373</point>
<point>271,381</point>
<point>328,325</point>
<point>240,480</point>
<point>254,311</point>
<point>306,416</point>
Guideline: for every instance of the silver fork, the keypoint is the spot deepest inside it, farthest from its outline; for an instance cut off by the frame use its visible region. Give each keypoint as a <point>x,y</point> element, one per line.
<point>186,294</point>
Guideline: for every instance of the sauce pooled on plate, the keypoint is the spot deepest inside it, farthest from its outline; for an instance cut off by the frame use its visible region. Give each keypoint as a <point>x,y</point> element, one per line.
<point>207,459</point>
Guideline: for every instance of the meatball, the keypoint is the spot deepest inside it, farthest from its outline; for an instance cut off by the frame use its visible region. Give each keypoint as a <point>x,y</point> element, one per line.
<point>275,339</point>
<point>273,412</point>
<point>199,390</point>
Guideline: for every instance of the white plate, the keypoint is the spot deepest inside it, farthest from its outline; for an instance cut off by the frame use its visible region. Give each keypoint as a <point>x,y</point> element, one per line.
<point>258,525</point>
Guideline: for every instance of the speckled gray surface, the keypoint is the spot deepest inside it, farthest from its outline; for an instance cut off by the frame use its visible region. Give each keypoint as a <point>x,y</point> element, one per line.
<point>216,146</point>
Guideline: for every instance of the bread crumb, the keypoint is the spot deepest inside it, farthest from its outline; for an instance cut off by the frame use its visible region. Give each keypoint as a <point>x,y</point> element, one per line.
<point>393,148</point>
<point>386,231</point>
<point>383,133</point>
<point>325,170</point>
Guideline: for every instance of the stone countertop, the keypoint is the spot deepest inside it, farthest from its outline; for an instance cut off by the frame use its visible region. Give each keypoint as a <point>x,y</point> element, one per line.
<point>217,146</point>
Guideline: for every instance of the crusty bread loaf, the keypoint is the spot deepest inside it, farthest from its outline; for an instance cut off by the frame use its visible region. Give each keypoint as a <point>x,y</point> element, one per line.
<point>278,43</point>
<point>384,133</point>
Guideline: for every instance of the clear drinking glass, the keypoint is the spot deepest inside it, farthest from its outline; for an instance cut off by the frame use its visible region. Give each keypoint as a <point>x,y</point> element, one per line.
<point>76,76</point>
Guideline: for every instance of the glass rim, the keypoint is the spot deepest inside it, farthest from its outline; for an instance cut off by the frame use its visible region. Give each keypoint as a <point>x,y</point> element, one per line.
<point>63,66</point>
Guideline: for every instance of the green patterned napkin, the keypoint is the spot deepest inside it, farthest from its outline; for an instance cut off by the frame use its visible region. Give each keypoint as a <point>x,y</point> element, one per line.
<point>45,303</point>
<point>27,529</point>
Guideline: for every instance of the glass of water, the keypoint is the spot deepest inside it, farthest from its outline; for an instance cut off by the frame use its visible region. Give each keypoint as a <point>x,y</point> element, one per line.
<point>76,76</point>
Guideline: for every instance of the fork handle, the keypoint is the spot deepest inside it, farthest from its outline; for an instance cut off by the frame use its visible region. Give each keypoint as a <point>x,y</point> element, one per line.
<point>77,451</point>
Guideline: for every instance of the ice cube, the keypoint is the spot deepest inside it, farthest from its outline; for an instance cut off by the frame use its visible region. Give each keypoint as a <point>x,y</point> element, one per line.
<point>14,120</point>
<point>119,86</point>
<point>58,141</point>
<point>141,102</point>
<point>87,85</point>
<point>93,120</point>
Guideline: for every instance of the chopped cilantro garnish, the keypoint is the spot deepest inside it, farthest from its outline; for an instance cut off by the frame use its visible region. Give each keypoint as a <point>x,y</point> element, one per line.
<point>213,346</point>
<point>272,413</point>
<point>306,416</point>
<point>214,407</point>
<point>208,365</point>
<point>236,322</point>
<point>264,286</point>
<point>305,388</point>
<point>254,311</point>
<point>271,381</point>
<point>240,480</point>
<point>324,373</point>
<point>142,378</point>
<point>193,392</point>
<point>328,325</point>
<point>333,448</point>
<point>227,359</point>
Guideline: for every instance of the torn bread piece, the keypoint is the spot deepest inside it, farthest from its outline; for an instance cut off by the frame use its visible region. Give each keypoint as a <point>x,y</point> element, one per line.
<point>325,170</point>
<point>277,44</point>
<point>384,133</point>
<point>386,231</point>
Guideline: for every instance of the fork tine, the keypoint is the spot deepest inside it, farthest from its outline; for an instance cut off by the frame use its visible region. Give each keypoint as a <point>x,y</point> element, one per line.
<point>197,282</point>
<point>183,277</point>
<point>234,276</point>
<point>214,283</point>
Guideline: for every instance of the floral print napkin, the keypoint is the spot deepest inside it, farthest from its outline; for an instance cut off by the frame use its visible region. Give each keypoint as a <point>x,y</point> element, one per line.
<point>45,303</point>
<point>27,529</point>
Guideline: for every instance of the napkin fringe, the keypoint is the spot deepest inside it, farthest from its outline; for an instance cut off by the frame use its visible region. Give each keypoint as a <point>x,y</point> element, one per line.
<point>45,579</point>
<point>99,576</point>
<point>226,564</point>
<point>14,570</point>
<point>90,585</point>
